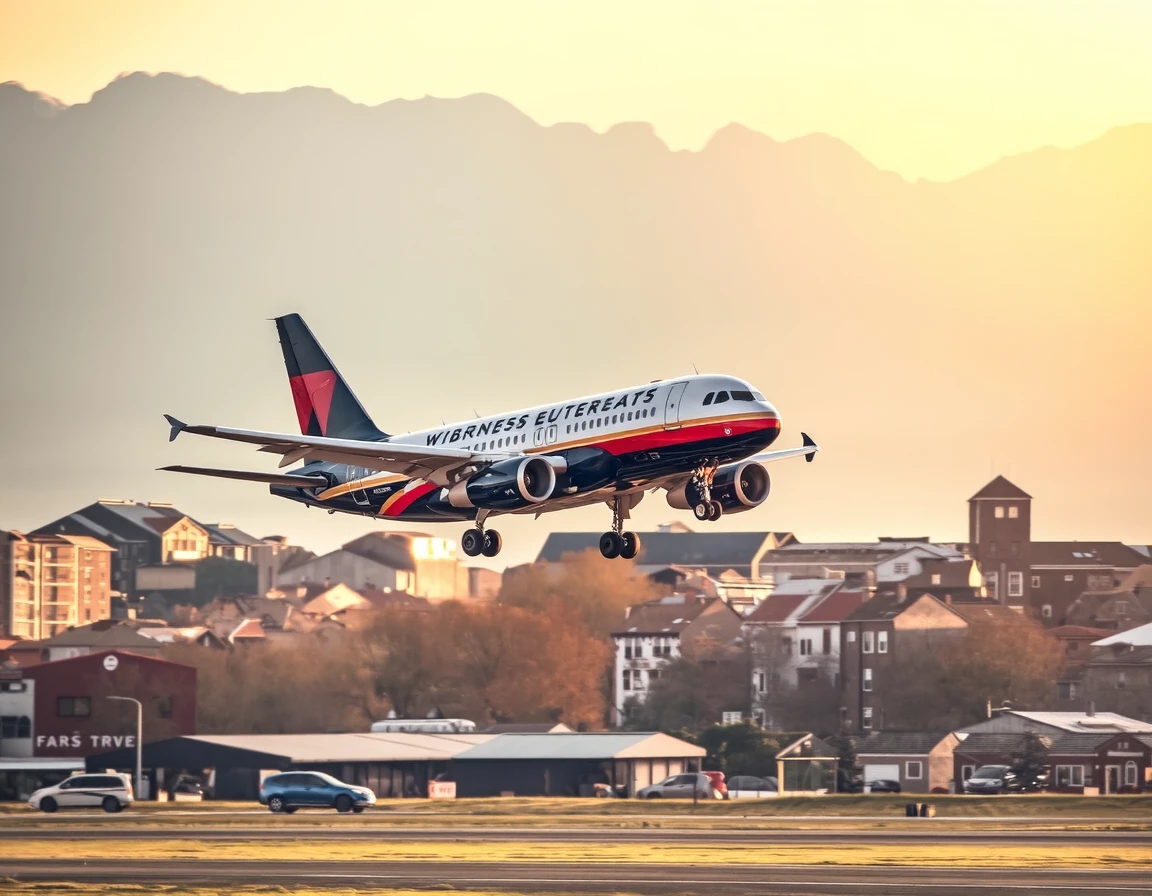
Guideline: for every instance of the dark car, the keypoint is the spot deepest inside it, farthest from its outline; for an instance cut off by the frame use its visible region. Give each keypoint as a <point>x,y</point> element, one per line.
<point>1005,779</point>
<point>289,791</point>
<point>884,785</point>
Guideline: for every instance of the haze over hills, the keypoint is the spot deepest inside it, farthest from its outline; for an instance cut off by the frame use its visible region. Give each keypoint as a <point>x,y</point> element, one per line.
<point>454,254</point>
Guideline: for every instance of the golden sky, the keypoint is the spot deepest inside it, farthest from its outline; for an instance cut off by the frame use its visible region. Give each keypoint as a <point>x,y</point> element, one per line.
<point>928,88</point>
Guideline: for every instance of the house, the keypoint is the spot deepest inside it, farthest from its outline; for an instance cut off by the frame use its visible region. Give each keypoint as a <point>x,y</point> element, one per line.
<point>876,636</point>
<point>920,760</point>
<point>1077,642</point>
<point>95,638</point>
<point>1118,671</point>
<point>794,640</point>
<point>1062,571</point>
<point>868,563</point>
<point>1126,606</point>
<point>953,580</point>
<point>655,633</point>
<point>711,554</point>
<point>528,728</point>
<point>200,635</point>
<point>1000,540</point>
<point>400,561</point>
<point>49,582</point>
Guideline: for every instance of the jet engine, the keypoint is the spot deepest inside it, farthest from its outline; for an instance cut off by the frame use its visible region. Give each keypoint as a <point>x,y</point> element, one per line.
<point>740,486</point>
<point>508,484</point>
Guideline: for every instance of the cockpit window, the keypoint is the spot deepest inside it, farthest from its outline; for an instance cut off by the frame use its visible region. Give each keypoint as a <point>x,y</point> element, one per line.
<point>756,396</point>
<point>721,396</point>
<point>708,398</point>
<point>741,395</point>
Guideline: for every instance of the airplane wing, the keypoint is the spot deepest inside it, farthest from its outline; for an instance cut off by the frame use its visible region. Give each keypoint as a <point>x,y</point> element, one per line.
<point>294,480</point>
<point>433,463</point>
<point>809,451</point>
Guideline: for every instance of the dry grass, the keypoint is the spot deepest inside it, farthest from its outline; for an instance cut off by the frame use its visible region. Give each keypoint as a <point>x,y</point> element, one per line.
<point>1008,855</point>
<point>45,889</point>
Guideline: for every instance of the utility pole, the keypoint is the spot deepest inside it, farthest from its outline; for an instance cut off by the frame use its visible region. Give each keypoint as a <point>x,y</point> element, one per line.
<point>139,742</point>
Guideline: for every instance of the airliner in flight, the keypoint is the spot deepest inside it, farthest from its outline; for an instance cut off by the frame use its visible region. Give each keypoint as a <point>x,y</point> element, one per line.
<point>699,438</point>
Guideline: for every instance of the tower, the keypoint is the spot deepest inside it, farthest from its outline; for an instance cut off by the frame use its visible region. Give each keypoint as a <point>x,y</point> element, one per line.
<point>1000,539</point>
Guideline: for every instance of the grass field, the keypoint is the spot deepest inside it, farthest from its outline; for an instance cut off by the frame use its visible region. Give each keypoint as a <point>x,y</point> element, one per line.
<point>45,889</point>
<point>1009,855</point>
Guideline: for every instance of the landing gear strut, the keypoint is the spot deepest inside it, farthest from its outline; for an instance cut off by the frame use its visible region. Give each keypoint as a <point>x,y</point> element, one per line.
<point>619,543</point>
<point>479,541</point>
<point>704,508</point>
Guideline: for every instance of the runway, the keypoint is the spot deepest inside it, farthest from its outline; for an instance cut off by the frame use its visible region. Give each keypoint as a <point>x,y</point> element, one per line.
<point>271,831</point>
<point>542,877</point>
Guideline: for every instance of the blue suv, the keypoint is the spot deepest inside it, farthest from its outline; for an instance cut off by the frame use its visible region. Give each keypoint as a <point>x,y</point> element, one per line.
<point>290,791</point>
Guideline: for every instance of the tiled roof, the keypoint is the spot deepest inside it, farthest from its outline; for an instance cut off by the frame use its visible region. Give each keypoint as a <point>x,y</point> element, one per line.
<point>899,742</point>
<point>1079,744</point>
<point>708,549</point>
<point>104,634</point>
<point>1000,488</point>
<point>835,607</point>
<point>777,608</point>
<point>661,617</point>
<point>1085,553</point>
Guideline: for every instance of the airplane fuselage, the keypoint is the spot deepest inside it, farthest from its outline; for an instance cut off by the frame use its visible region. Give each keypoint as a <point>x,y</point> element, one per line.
<point>619,442</point>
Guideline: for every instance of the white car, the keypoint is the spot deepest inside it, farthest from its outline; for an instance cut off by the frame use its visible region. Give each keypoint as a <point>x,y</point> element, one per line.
<point>110,792</point>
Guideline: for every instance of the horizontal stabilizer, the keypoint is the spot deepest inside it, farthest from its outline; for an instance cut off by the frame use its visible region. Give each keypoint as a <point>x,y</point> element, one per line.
<point>291,480</point>
<point>809,442</point>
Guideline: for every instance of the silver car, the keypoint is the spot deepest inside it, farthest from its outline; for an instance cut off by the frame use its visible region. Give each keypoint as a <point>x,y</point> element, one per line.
<point>679,787</point>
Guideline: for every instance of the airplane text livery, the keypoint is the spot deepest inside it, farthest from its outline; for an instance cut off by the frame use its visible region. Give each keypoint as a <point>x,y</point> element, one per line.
<point>700,438</point>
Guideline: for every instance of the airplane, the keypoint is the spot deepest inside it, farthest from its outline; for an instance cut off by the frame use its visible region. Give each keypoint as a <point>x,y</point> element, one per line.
<point>700,438</point>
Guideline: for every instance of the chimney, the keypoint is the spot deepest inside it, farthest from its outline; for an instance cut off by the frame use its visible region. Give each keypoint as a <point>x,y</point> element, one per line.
<point>1091,708</point>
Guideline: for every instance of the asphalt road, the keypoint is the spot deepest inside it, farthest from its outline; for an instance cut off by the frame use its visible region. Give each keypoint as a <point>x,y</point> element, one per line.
<point>271,831</point>
<point>769,880</point>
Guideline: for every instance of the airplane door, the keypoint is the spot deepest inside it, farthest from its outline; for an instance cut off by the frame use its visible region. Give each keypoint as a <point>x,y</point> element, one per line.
<point>672,406</point>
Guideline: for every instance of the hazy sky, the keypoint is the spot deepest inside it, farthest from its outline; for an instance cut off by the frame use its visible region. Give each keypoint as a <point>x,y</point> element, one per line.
<point>928,89</point>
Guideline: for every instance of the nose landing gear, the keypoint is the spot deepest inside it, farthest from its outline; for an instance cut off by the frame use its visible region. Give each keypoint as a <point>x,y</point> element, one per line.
<point>479,541</point>
<point>619,543</point>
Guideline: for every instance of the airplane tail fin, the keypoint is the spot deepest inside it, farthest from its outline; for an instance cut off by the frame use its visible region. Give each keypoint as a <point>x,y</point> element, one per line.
<point>325,405</point>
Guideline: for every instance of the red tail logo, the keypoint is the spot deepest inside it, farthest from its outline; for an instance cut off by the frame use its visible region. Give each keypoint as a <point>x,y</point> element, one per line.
<point>312,393</point>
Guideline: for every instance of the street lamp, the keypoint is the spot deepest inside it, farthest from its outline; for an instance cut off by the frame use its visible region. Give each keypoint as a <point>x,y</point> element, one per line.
<point>139,739</point>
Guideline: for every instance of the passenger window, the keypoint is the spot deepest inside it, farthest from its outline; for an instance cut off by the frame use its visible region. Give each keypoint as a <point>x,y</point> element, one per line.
<point>708,398</point>
<point>629,415</point>
<point>613,418</point>
<point>721,396</point>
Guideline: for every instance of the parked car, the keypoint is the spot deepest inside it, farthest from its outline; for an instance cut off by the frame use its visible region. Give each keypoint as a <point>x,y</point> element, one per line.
<point>742,787</point>
<point>110,792</point>
<point>884,785</point>
<point>186,789</point>
<point>1005,779</point>
<point>289,791</point>
<point>679,787</point>
<point>717,779</point>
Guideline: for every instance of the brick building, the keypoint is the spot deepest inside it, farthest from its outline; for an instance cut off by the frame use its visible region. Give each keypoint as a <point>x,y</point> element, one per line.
<point>50,582</point>
<point>1000,539</point>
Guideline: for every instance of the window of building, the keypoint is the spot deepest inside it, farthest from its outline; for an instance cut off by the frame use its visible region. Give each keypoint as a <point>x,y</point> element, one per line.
<point>1069,577</point>
<point>654,675</point>
<point>807,675</point>
<point>73,707</point>
<point>914,769</point>
<point>827,640</point>
<point>761,682</point>
<point>627,679</point>
<point>1066,690</point>
<point>1035,581</point>
<point>992,584</point>
<point>15,727</point>
<point>1013,512</point>
<point>164,707</point>
<point>1069,776</point>
<point>866,645</point>
<point>1121,607</point>
<point>638,650</point>
<point>999,513</point>
<point>901,569</point>
<point>787,646</point>
<point>805,647</point>
<point>1130,773</point>
<point>1121,680</point>
<point>637,680</point>
<point>1015,549</point>
<point>1015,584</point>
<point>882,642</point>
<point>866,685</point>
<point>935,578</point>
<point>1046,611</point>
<point>851,636</point>
<point>627,650</point>
<point>867,723</point>
<point>730,718</point>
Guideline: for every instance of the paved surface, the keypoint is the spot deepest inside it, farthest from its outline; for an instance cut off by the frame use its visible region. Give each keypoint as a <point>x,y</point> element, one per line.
<point>775,880</point>
<point>272,831</point>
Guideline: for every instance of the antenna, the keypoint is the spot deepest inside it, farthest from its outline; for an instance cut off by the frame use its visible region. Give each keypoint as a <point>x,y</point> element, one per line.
<point>694,368</point>
<point>474,411</point>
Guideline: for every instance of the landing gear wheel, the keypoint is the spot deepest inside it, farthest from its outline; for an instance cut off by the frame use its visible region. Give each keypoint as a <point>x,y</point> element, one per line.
<point>472,542</point>
<point>715,510</point>
<point>492,543</point>
<point>702,511</point>
<point>629,545</point>
<point>610,545</point>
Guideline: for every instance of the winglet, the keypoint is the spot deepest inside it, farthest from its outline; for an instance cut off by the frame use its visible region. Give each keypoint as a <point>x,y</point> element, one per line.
<point>809,443</point>
<point>177,427</point>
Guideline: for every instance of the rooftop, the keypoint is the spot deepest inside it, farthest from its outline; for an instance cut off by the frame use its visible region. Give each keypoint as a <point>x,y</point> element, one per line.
<point>1000,488</point>
<point>608,745</point>
<point>1141,636</point>
<point>106,633</point>
<point>663,616</point>
<point>879,742</point>
<point>697,549</point>
<point>1086,553</point>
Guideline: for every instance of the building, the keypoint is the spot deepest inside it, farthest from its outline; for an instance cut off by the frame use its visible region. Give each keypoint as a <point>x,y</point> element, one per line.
<point>920,760</point>
<point>50,582</point>
<point>1116,609</point>
<point>95,638</point>
<point>948,579</point>
<point>1077,641</point>
<point>794,640</point>
<point>876,637</point>
<point>657,632</point>
<point>863,563</point>
<point>1062,571</point>
<point>1000,540</point>
<point>1118,672</point>
<point>571,764</point>
<point>396,561</point>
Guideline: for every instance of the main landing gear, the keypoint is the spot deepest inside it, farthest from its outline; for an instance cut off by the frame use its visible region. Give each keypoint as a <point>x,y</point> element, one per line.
<point>704,508</point>
<point>479,541</point>
<point>619,543</point>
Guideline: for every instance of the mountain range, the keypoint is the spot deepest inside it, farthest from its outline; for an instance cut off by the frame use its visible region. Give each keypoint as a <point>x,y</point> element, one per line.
<point>453,254</point>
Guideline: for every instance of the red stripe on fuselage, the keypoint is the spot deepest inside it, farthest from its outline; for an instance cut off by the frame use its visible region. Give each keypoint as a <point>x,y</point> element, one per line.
<point>409,498</point>
<point>650,441</point>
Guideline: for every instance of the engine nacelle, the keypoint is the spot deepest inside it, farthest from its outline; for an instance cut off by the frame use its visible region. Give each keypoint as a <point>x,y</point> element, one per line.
<point>512,483</point>
<point>737,487</point>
